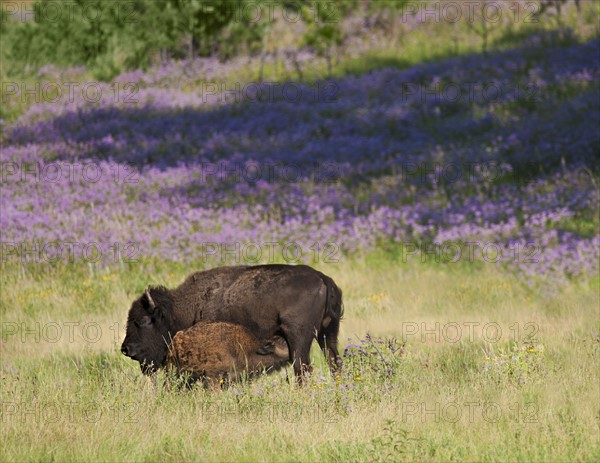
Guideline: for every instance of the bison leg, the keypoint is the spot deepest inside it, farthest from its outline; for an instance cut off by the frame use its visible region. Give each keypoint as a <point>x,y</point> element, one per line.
<point>299,324</point>
<point>328,339</point>
<point>300,354</point>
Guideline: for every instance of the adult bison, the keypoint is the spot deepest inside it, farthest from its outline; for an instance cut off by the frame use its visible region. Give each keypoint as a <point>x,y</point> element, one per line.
<point>295,302</point>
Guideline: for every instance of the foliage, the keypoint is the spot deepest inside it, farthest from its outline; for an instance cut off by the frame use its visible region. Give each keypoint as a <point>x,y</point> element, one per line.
<point>394,444</point>
<point>374,357</point>
<point>520,365</point>
<point>80,32</point>
<point>114,36</point>
<point>323,31</point>
<point>111,37</point>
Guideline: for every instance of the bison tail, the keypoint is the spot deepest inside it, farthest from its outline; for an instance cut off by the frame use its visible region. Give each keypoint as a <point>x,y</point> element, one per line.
<point>334,307</point>
<point>327,335</point>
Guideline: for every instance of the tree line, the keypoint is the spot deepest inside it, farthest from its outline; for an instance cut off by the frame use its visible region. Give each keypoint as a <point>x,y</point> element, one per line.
<point>130,34</point>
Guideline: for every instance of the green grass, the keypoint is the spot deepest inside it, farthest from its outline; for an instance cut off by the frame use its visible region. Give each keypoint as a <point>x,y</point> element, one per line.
<point>528,394</point>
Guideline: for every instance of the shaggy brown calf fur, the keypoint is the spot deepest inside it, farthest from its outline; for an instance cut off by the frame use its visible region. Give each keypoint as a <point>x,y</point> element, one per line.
<point>220,351</point>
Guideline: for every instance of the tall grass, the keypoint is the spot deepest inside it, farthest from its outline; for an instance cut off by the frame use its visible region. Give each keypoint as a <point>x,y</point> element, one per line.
<point>517,383</point>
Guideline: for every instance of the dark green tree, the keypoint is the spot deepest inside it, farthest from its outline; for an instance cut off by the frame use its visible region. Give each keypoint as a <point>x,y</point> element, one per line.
<point>323,32</point>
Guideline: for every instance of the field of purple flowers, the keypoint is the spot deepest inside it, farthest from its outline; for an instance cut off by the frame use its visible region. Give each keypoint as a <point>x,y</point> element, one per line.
<point>496,152</point>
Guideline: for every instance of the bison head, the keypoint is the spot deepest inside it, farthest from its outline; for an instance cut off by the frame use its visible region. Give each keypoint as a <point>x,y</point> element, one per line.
<point>150,327</point>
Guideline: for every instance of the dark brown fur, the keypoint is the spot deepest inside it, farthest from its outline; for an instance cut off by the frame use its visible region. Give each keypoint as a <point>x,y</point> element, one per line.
<point>223,351</point>
<point>295,302</point>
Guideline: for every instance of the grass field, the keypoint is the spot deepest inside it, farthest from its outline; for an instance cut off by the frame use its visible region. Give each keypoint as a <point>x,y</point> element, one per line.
<point>482,369</point>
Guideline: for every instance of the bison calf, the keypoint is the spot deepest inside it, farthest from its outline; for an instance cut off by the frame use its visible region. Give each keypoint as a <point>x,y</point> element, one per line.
<point>218,351</point>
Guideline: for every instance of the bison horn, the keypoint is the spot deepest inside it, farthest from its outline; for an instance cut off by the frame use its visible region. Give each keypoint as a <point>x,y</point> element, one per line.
<point>150,301</point>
